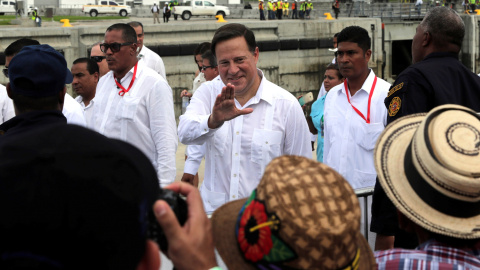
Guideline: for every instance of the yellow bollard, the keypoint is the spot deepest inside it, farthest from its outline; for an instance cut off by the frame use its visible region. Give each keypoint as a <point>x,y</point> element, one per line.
<point>477,11</point>
<point>220,18</point>
<point>66,23</point>
<point>329,16</point>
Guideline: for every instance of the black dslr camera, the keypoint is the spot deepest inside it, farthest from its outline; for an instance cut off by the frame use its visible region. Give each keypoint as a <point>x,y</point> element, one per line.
<point>178,206</point>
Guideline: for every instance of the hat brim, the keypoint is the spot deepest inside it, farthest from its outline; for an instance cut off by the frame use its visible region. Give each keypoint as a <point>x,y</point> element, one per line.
<point>223,226</point>
<point>389,158</point>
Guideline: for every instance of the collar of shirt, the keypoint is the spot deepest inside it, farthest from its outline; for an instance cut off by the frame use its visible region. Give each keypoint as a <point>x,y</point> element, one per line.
<point>125,81</point>
<point>441,54</point>
<point>367,85</point>
<point>268,96</point>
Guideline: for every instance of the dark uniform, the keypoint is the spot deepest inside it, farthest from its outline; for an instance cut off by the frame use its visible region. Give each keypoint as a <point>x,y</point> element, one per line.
<point>436,80</point>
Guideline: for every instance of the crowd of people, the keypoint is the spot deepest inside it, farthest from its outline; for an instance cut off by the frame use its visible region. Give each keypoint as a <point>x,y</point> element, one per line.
<point>276,9</point>
<point>83,194</point>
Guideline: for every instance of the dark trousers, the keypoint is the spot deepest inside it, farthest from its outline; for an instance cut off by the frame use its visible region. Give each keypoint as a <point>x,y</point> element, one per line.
<point>279,14</point>
<point>166,16</point>
<point>294,14</point>
<point>262,15</point>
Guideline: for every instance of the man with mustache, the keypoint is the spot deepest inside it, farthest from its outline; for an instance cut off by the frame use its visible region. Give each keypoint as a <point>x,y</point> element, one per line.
<point>354,111</point>
<point>135,104</point>
<point>245,120</point>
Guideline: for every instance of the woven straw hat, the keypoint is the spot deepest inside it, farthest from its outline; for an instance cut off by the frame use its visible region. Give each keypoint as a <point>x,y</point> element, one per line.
<point>303,215</point>
<point>429,166</point>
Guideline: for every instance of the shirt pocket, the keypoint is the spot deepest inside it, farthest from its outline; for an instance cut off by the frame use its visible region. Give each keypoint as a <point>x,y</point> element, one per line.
<point>366,135</point>
<point>266,145</point>
<point>220,139</point>
<point>212,199</point>
<point>333,127</point>
<point>127,108</point>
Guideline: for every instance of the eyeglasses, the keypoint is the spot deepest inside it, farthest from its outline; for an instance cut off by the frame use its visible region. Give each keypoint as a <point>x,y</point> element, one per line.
<point>5,71</point>
<point>98,58</point>
<point>114,47</point>
<point>205,67</point>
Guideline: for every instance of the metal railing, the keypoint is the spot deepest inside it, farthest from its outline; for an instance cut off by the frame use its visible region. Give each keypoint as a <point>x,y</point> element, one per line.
<point>363,194</point>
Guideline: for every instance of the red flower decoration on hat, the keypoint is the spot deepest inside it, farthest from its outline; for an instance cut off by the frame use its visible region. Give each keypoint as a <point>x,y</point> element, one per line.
<point>254,234</point>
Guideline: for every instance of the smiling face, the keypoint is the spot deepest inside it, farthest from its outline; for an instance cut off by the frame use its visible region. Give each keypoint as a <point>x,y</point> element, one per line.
<point>352,60</point>
<point>84,83</point>
<point>237,65</point>
<point>122,61</point>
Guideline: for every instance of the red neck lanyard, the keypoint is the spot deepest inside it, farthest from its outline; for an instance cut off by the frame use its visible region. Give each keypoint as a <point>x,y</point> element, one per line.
<point>369,100</point>
<point>123,91</point>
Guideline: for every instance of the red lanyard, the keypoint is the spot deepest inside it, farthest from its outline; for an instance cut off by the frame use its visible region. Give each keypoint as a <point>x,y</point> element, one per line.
<point>123,91</point>
<point>369,100</point>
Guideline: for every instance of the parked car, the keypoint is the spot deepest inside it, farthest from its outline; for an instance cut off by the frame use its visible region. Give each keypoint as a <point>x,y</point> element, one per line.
<point>107,7</point>
<point>7,7</point>
<point>200,8</point>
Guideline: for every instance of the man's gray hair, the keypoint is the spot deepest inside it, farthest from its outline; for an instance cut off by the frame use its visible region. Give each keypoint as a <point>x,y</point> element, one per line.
<point>445,26</point>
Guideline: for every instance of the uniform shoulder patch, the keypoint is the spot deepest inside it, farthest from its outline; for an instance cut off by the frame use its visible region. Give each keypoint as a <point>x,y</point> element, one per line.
<point>394,106</point>
<point>395,89</point>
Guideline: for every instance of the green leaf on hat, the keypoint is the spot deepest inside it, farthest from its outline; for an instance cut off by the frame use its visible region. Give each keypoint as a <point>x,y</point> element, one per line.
<point>280,251</point>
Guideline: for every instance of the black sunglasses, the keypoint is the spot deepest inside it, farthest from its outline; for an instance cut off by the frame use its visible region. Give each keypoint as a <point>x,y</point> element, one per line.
<point>5,71</point>
<point>205,67</point>
<point>114,47</point>
<point>98,58</point>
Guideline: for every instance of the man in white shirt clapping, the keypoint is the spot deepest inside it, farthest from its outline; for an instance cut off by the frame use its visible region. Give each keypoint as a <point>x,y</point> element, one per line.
<point>244,119</point>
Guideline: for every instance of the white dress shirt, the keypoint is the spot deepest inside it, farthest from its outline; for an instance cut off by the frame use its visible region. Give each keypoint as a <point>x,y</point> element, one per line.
<point>239,150</point>
<point>87,111</point>
<point>73,111</point>
<point>153,61</point>
<point>144,117</point>
<point>349,140</point>
<point>7,110</point>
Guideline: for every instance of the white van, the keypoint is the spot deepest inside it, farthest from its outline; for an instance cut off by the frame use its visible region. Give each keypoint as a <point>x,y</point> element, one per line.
<point>7,7</point>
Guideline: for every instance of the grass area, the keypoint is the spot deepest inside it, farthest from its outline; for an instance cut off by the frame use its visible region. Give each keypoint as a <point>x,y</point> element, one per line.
<point>5,20</point>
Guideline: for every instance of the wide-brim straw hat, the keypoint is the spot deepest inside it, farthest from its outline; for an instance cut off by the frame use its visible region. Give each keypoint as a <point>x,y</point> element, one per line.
<point>303,215</point>
<point>429,167</point>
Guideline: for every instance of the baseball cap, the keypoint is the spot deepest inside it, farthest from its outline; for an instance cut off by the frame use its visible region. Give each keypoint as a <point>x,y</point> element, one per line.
<point>43,66</point>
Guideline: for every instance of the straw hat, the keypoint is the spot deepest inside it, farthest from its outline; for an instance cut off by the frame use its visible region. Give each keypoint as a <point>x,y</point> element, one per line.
<point>429,166</point>
<point>303,215</point>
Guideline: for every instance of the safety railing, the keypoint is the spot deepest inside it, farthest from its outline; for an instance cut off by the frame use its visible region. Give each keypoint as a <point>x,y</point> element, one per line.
<point>363,194</point>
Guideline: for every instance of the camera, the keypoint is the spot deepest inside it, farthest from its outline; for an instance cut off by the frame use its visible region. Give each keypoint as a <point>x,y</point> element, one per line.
<point>178,206</point>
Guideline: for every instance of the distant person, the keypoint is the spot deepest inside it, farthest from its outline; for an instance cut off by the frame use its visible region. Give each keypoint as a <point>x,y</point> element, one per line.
<point>294,9</point>
<point>155,12</point>
<point>302,215</point>
<point>244,119</point>
<point>336,8</point>
<point>85,79</point>
<point>171,6</point>
<point>98,56</point>
<point>322,91</point>
<point>428,166</point>
<point>135,104</point>
<point>418,6</point>
<point>166,13</point>
<point>285,8</point>
<point>71,109</point>
<point>331,78</point>
<point>151,58</point>
<point>261,9</point>
<point>436,77</point>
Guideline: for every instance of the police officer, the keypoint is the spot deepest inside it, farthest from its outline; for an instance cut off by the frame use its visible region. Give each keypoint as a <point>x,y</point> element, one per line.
<point>436,77</point>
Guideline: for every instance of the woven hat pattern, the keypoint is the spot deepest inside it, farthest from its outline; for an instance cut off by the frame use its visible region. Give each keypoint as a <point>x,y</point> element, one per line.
<point>317,209</point>
<point>428,165</point>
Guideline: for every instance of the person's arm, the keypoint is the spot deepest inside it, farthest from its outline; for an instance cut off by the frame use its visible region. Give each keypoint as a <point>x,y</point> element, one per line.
<point>195,154</point>
<point>163,130</point>
<point>297,134</point>
<point>202,118</point>
<point>190,246</point>
<point>160,68</point>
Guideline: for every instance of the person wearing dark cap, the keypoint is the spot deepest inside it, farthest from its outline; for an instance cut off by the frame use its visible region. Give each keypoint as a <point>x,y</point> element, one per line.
<point>436,77</point>
<point>135,104</point>
<point>71,109</point>
<point>428,166</point>
<point>57,217</point>
<point>302,215</point>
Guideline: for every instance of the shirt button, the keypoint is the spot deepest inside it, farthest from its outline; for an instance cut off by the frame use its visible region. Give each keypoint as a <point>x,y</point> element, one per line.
<point>205,130</point>
<point>233,196</point>
<point>266,142</point>
<point>238,133</point>
<point>236,154</point>
<point>235,175</point>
